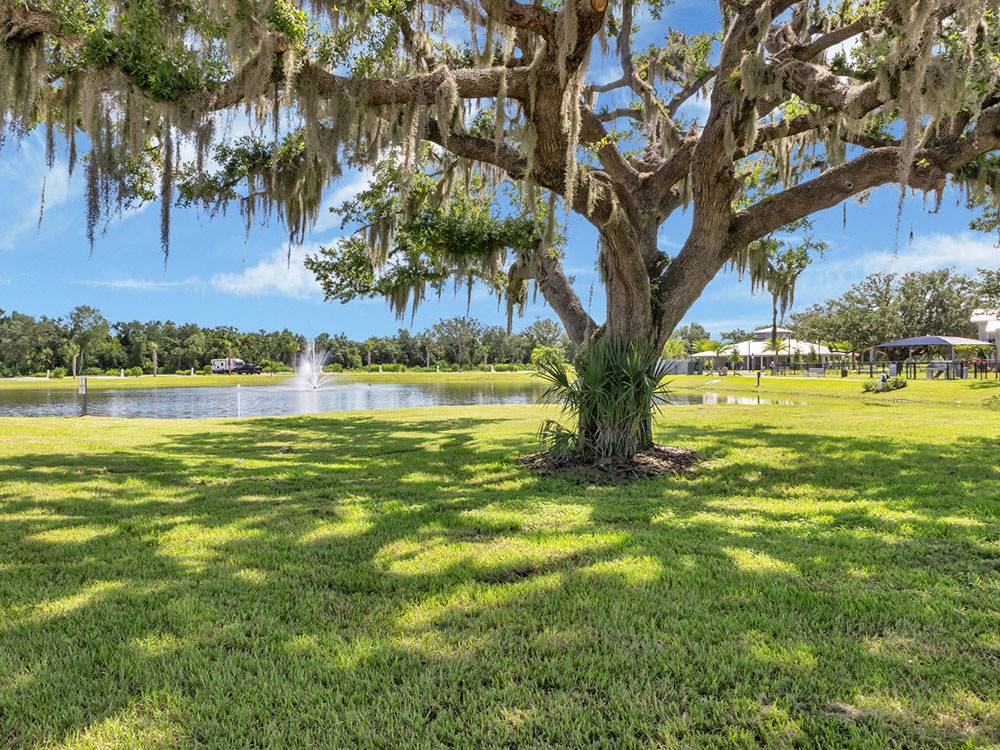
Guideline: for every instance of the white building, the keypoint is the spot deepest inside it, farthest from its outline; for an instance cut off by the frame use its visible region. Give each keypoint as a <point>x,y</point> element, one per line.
<point>756,353</point>
<point>988,322</point>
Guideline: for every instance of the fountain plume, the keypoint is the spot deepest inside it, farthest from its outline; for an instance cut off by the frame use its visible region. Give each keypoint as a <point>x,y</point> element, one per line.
<point>309,373</point>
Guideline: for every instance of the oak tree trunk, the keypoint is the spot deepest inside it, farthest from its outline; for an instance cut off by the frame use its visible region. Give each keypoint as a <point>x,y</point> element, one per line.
<point>630,323</point>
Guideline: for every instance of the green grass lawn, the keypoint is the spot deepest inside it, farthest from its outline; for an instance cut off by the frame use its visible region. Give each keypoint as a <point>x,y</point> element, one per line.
<point>829,577</point>
<point>101,382</point>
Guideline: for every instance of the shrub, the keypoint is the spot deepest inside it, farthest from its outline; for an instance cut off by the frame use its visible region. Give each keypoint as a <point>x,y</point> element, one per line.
<point>134,372</point>
<point>502,367</point>
<point>611,399</point>
<point>891,384</point>
<point>335,367</point>
<point>112,371</point>
<point>37,375</point>
<point>206,370</point>
<point>273,366</point>
<point>547,355</point>
<point>92,371</point>
<point>182,372</point>
<point>58,373</point>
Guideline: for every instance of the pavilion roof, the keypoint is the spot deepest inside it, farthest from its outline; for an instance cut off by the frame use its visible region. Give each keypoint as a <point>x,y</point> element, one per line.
<point>934,341</point>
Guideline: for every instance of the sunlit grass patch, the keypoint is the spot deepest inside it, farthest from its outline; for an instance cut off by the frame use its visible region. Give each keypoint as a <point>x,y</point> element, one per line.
<point>826,578</point>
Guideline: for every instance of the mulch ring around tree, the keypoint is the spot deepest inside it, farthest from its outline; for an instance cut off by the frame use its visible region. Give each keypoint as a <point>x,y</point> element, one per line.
<point>658,461</point>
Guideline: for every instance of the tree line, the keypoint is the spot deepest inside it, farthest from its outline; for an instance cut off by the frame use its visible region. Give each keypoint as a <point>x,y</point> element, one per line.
<point>882,307</point>
<point>85,342</point>
<point>885,307</point>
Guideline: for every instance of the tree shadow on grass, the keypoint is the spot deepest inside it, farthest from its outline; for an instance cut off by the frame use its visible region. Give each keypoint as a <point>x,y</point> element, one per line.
<point>362,582</point>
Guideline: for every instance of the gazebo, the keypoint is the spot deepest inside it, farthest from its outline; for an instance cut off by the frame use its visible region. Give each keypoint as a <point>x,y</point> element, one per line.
<point>946,341</point>
<point>949,342</point>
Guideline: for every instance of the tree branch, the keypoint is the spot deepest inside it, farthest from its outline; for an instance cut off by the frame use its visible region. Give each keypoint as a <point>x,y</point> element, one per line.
<point>869,170</point>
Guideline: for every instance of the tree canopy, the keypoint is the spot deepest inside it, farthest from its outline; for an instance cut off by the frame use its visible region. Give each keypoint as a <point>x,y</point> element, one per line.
<point>481,138</point>
<point>884,307</point>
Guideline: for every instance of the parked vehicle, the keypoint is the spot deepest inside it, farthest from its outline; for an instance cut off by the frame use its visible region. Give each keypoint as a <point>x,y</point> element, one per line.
<point>234,366</point>
<point>226,366</point>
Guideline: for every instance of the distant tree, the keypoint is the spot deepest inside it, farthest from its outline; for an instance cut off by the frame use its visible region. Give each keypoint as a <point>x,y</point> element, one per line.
<point>496,345</point>
<point>384,350</point>
<point>776,264</point>
<point>87,326</point>
<point>936,302</point>
<point>547,355</point>
<point>691,334</point>
<point>459,338</point>
<point>867,314</point>
<point>989,288</point>
<point>778,347</point>
<point>674,349</point>
<point>429,348</point>
<point>544,332</point>
<point>711,345</point>
<point>17,341</point>
<point>73,353</point>
<point>735,335</point>
<point>408,347</point>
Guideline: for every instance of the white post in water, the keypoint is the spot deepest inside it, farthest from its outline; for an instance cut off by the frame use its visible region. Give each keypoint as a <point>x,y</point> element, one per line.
<point>82,390</point>
<point>237,399</point>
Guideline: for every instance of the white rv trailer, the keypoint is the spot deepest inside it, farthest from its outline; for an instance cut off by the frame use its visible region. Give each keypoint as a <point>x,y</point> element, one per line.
<point>225,366</point>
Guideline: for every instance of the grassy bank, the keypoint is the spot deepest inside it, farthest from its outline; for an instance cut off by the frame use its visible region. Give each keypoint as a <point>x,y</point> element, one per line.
<point>828,578</point>
<point>472,376</point>
<point>102,382</point>
<point>966,392</point>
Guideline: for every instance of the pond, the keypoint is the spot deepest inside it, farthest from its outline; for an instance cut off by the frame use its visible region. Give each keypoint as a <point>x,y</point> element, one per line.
<point>269,401</point>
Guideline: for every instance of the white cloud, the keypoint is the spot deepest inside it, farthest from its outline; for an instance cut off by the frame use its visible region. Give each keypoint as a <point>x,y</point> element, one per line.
<point>831,276</point>
<point>145,285</point>
<point>965,251</point>
<point>281,275</point>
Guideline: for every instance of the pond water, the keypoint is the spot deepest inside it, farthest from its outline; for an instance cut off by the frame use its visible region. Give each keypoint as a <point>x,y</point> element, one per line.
<point>266,401</point>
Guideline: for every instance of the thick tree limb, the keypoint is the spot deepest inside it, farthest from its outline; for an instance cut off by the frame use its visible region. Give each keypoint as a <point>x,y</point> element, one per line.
<point>559,293</point>
<point>871,169</point>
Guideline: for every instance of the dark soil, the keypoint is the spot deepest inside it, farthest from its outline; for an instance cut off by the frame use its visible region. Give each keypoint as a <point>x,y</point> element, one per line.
<point>658,461</point>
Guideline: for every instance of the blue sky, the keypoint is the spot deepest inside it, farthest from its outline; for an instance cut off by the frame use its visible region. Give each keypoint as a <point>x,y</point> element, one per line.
<point>217,275</point>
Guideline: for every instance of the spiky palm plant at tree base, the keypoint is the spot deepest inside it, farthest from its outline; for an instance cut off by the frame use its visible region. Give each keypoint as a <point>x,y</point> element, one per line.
<point>610,402</point>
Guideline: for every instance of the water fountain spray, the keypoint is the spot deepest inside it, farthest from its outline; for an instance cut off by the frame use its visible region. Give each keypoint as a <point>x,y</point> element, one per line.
<point>309,373</point>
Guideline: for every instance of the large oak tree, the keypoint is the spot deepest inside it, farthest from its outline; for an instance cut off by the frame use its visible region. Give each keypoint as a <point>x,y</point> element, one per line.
<point>795,125</point>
